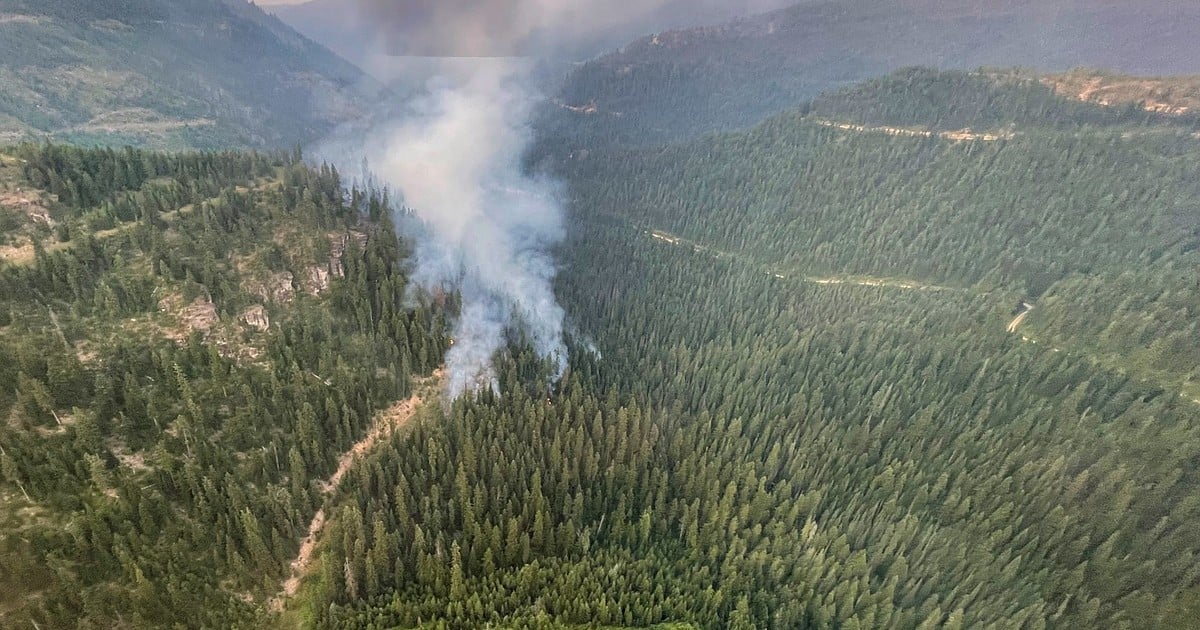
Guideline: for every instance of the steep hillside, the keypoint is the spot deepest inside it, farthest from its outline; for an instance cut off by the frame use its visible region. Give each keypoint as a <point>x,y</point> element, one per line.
<point>338,27</point>
<point>167,73</point>
<point>683,83</point>
<point>1091,208</point>
<point>815,385</point>
<point>186,354</point>
<point>855,367</point>
<point>994,99</point>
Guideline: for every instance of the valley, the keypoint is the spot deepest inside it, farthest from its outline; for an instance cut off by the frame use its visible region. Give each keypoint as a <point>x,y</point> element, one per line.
<point>846,315</point>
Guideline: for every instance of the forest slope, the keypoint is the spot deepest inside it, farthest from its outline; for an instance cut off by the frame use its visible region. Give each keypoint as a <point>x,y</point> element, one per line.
<point>744,442</point>
<point>736,450</point>
<point>194,343</point>
<point>1092,209</point>
<point>168,73</point>
<point>684,83</point>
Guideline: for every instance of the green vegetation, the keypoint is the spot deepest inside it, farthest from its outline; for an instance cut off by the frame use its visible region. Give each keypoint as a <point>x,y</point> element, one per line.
<point>172,437</point>
<point>797,397</point>
<point>752,445</point>
<point>683,84</point>
<point>816,456</point>
<point>167,74</point>
<point>1092,210</point>
<point>980,100</point>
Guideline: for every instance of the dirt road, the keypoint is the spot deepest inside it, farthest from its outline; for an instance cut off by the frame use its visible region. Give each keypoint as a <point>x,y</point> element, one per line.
<point>861,281</point>
<point>386,423</point>
<point>1020,317</point>
<point>960,135</point>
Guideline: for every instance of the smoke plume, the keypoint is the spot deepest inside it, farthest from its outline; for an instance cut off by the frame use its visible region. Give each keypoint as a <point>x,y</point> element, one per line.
<point>454,154</point>
<point>457,162</point>
<point>486,227</point>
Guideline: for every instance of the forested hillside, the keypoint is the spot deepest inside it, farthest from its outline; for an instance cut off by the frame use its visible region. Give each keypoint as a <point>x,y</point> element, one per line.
<point>1092,210</point>
<point>193,343</point>
<point>168,73</point>
<point>800,395</point>
<point>980,100</point>
<point>920,354</point>
<point>734,449</point>
<point>685,83</point>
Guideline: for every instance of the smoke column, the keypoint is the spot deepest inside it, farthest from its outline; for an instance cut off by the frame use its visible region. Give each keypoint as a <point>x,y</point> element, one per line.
<point>455,158</point>
<point>488,228</point>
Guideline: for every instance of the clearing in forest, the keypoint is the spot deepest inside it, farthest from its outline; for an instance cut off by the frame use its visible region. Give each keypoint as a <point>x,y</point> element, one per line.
<point>1174,96</point>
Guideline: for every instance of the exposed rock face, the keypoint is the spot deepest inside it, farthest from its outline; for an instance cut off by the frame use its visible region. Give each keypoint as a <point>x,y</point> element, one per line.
<point>337,247</point>
<point>199,316</point>
<point>256,316</point>
<point>277,288</point>
<point>32,203</point>
<point>1173,96</point>
<point>317,281</point>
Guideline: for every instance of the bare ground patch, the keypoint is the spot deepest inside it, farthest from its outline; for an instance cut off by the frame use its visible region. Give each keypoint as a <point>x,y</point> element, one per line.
<point>200,315</point>
<point>1174,96</point>
<point>21,18</point>
<point>958,135</point>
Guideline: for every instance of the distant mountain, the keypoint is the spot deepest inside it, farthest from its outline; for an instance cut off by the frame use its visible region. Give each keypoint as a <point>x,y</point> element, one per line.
<point>1012,99</point>
<point>683,83</point>
<point>372,39</point>
<point>334,26</point>
<point>168,73</point>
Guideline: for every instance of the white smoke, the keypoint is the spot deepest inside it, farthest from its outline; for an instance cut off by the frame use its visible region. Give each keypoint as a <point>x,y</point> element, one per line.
<point>488,226</point>
<point>455,157</point>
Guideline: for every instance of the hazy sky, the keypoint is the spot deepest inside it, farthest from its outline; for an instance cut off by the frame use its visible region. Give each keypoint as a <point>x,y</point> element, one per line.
<point>515,27</point>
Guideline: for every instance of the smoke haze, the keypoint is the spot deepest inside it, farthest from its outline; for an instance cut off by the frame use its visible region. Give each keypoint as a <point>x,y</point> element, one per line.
<point>457,162</point>
<point>498,28</point>
<point>454,155</point>
<point>372,33</point>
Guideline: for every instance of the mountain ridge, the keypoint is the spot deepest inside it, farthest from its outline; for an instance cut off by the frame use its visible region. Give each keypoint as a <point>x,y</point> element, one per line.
<point>169,74</point>
<point>735,74</point>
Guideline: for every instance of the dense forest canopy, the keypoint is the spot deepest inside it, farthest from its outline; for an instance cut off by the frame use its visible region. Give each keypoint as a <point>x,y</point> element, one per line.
<point>182,359</point>
<point>922,353</point>
<point>983,184</point>
<point>788,409</point>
